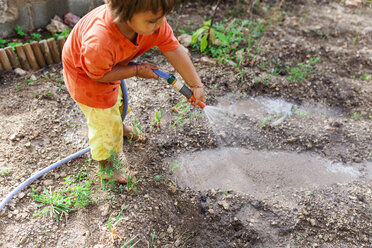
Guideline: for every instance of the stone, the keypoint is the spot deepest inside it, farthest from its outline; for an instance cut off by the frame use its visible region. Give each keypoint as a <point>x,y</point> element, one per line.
<point>353,3</point>
<point>312,222</point>
<point>70,19</point>
<point>56,25</point>
<point>207,60</point>
<point>48,182</point>
<point>170,230</point>
<point>33,78</point>
<point>185,39</point>
<point>20,72</point>
<point>210,211</point>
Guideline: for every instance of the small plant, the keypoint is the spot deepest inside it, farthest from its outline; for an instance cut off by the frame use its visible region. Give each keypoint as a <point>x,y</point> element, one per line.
<point>2,43</point>
<point>46,95</point>
<point>54,202</point>
<point>264,120</point>
<point>19,31</point>
<point>128,243</point>
<point>157,177</point>
<point>174,166</point>
<point>137,129</point>
<point>158,116</point>
<point>18,86</point>
<point>5,172</point>
<point>301,71</point>
<point>111,226</point>
<point>107,174</point>
<point>36,36</point>
<point>64,33</point>
<point>153,237</point>
<point>183,113</point>
<point>14,44</point>
<point>356,116</point>
<point>365,78</point>
<point>225,192</point>
<point>131,183</point>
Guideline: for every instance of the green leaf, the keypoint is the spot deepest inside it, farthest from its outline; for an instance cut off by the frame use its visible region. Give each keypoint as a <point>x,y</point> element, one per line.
<point>207,23</point>
<point>222,38</point>
<point>203,43</point>
<point>197,33</point>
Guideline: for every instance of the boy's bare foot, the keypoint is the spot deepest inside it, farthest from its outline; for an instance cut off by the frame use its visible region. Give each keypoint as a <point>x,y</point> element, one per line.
<point>129,133</point>
<point>124,174</point>
<point>121,175</point>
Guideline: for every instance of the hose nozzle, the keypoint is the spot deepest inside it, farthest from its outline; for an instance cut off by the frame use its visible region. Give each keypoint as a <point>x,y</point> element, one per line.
<point>184,90</point>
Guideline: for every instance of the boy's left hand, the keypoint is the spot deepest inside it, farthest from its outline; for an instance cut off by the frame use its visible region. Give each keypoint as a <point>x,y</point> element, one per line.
<point>198,94</point>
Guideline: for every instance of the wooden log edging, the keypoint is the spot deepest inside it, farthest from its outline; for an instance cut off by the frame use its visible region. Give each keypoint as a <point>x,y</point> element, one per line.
<point>32,56</point>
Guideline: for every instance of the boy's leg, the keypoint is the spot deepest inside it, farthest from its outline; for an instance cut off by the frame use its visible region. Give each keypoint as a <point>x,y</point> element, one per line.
<point>106,136</point>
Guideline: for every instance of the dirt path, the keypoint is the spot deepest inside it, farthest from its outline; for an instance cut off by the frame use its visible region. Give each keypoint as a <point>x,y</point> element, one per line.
<point>40,124</point>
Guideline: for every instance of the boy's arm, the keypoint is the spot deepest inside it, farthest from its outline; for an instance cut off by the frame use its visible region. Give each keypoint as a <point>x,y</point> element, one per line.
<point>183,65</point>
<point>119,72</point>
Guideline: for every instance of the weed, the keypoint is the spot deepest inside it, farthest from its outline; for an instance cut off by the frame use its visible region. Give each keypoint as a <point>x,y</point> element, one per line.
<point>19,31</point>
<point>158,116</point>
<point>111,226</point>
<point>14,44</point>
<point>107,174</point>
<point>183,113</point>
<point>2,43</point>
<point>128,242</point>
<point>301,71</point>
<point>5,172</point>
<point>56,203</point>
<point>242,74</point>
<point>174,166</point>
<point>157,177</point>
<point>153,237</point>
<point>45,94</point>
<point>18,87</point>
<point>225,192</point>
<point>70,124</point>
<point>64,33</point>
<point>131,183</point>
<point>229,41</point>
<point>365,78</point>
<point>356,116</point>
<point>137,129</point>
<point>264,120</point>
<point>36,36</point>
<point>61,88</point>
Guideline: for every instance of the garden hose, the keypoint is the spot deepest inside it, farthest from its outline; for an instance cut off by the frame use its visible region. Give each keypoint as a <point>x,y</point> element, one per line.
<point>177,85</point>
<point>62,161</point>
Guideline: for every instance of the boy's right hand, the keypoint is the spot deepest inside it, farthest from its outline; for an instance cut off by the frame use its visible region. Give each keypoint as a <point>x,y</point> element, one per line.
<point>145,70</point>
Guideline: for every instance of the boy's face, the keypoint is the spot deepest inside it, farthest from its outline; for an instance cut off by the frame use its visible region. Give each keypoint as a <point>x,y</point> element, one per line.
<point>146,23</point>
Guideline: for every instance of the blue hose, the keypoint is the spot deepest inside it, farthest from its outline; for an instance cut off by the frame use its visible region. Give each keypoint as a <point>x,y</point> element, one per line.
<point>63,161</point>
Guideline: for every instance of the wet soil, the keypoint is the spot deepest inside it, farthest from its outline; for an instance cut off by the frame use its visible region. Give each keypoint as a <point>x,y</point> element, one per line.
<point>41,124</point>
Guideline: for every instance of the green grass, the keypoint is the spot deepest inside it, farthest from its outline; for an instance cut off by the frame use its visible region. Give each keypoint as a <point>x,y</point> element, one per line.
<point>2,43</point>
<point>137,129</point>
<point>174,166</point>
<point>183,113</point>
<point>158,117</point>
<point>302,71</point>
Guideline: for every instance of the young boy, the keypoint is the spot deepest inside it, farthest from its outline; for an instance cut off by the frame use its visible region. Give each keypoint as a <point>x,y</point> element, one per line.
<point>95,58</point>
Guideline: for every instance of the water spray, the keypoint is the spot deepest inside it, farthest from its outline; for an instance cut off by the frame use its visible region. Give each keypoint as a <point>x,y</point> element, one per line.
<point>177,85</point>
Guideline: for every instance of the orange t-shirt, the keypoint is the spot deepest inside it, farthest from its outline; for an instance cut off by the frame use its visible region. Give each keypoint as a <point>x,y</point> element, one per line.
<point>94,46</point>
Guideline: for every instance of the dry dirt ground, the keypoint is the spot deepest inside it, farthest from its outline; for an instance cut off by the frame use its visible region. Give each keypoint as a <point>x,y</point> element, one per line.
<point>40,125</point>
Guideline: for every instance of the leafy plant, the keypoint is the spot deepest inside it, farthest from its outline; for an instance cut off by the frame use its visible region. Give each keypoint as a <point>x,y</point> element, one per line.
<point>36,36</point>
<point>19,30</point>
<point>137,129</point>
<point>183,113</point>
<point>158,116</point>
<point>107,174</point>
<point>5,172</point>
<point>174,166</point>
<point>157,177</point>
<point>111,226</point>
<point>301,71</point>
<point>64,33</point>
<point>14,44</point>
<point>45,94</point>
<point>2,43</point>
<point>59,203</point>
<point>229,41</point>
<point>153,237</point>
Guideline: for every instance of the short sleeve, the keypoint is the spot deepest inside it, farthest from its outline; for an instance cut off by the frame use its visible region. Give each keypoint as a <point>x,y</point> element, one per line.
<point>96,60</point>
<point>166,40</point>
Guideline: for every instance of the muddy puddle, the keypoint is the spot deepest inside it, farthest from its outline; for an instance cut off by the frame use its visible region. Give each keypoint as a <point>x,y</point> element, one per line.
<point>260,173</point>
<point>261,107</point>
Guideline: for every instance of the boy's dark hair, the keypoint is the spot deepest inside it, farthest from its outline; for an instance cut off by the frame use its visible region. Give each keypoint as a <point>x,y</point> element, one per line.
<point>123,10</point>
